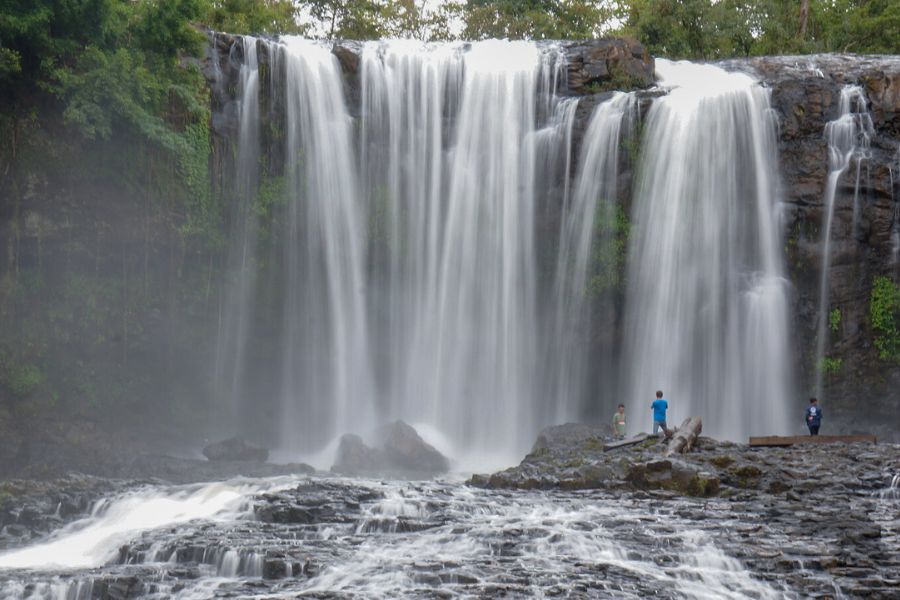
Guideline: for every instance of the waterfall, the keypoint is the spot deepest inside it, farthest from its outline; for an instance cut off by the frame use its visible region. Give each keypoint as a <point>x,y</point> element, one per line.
<point>587,226</point>
<point>326,381</point>
<point>848,138</point>
<point>408,89</point>
<point>706,317</point>
<point>418,278</point>
<point>237,301</point>
<point>450,145</point>
<point>407,281</point>
<point>895,227</point>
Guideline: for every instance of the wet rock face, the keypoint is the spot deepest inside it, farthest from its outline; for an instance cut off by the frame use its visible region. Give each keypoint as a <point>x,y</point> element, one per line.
<point>805,97</point>
<point>235,449</point>
<point>399,450</point>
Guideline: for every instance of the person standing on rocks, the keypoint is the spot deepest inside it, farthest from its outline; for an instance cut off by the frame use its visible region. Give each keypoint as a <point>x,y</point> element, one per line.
<point>619,422</point>
<point>813,416</point>
<point>659,408</point>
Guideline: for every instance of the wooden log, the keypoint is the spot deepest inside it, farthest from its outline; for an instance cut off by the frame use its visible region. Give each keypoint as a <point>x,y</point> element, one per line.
<point>790,440</point>
<point>685,436</point>
<point>629,442</point>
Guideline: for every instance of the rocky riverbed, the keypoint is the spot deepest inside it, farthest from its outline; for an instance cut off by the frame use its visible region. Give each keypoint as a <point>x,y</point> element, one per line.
<point>571,520</point>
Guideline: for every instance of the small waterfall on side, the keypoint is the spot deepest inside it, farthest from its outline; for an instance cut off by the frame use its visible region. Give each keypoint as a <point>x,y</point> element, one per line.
<point>848,138</point>
<point>895,228</point>
<point>892,492</point>
<point>588,220</point>
<point>706,307</point>
<point>327,387</point>
<point>237,302</point>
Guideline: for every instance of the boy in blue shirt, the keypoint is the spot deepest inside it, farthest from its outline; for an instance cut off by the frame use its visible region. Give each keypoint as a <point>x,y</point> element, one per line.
<point>659,408</point>
<point>813,417</point>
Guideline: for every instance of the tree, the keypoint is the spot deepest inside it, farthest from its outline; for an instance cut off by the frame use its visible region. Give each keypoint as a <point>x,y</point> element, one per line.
<point>533,19</point>
<point>804,17</point>
<point>255,16</point>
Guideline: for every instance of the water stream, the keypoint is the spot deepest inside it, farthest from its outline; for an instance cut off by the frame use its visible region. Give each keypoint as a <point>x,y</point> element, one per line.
<point>399,539</point>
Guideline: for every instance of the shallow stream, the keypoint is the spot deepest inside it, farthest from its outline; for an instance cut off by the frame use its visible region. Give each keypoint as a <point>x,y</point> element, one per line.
<point>334,537</point>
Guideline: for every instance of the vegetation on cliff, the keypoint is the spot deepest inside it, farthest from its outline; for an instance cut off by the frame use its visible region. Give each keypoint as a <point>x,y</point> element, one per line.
<point>884,311</point>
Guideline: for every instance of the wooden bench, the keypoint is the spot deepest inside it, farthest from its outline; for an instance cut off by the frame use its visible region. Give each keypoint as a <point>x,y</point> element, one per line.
<point>790,440</point>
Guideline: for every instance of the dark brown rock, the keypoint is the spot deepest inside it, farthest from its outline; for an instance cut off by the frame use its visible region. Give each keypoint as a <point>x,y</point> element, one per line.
<point>608,64</point>
<point>399,450</point>
<point>235,449</point>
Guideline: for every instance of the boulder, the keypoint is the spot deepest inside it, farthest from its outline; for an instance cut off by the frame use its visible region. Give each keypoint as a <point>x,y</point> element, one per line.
<point>404,448</point>
<point>663,475</point>
<point>568,435</point>
<point>235,449</point>
<point>399,450</point>
<point>354,457</point>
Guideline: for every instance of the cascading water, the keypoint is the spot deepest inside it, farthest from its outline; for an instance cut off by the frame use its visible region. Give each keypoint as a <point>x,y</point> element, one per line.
<point>848,138</point>
<point>326,382</point>
<point>95,540</point>
<point>459,216</point>
<point>588,221</point>
<point>895,228</point>
<point>236,312</point>
<point>706,307</point>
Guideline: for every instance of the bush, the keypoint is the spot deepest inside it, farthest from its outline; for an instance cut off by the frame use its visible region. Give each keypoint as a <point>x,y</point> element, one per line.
<point>884,314</point>
<point>22,380</point>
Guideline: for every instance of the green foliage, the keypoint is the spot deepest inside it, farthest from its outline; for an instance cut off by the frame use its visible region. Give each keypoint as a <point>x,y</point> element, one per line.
<point>829,365</point>
<point>708,29</point>
<point>619,79</point>
<point>532,19</point>
<point>255,16</point>
<point>21,379</point>
<point>611,231</point>
<point>834,320</point>
<point>884,314</point>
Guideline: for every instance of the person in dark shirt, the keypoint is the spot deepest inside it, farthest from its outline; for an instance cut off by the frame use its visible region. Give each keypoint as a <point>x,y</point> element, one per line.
<point>813,417</point>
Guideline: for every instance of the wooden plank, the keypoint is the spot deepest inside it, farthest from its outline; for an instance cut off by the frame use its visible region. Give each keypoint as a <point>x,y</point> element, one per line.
<point>629,442</point>
<point>777,440</point>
